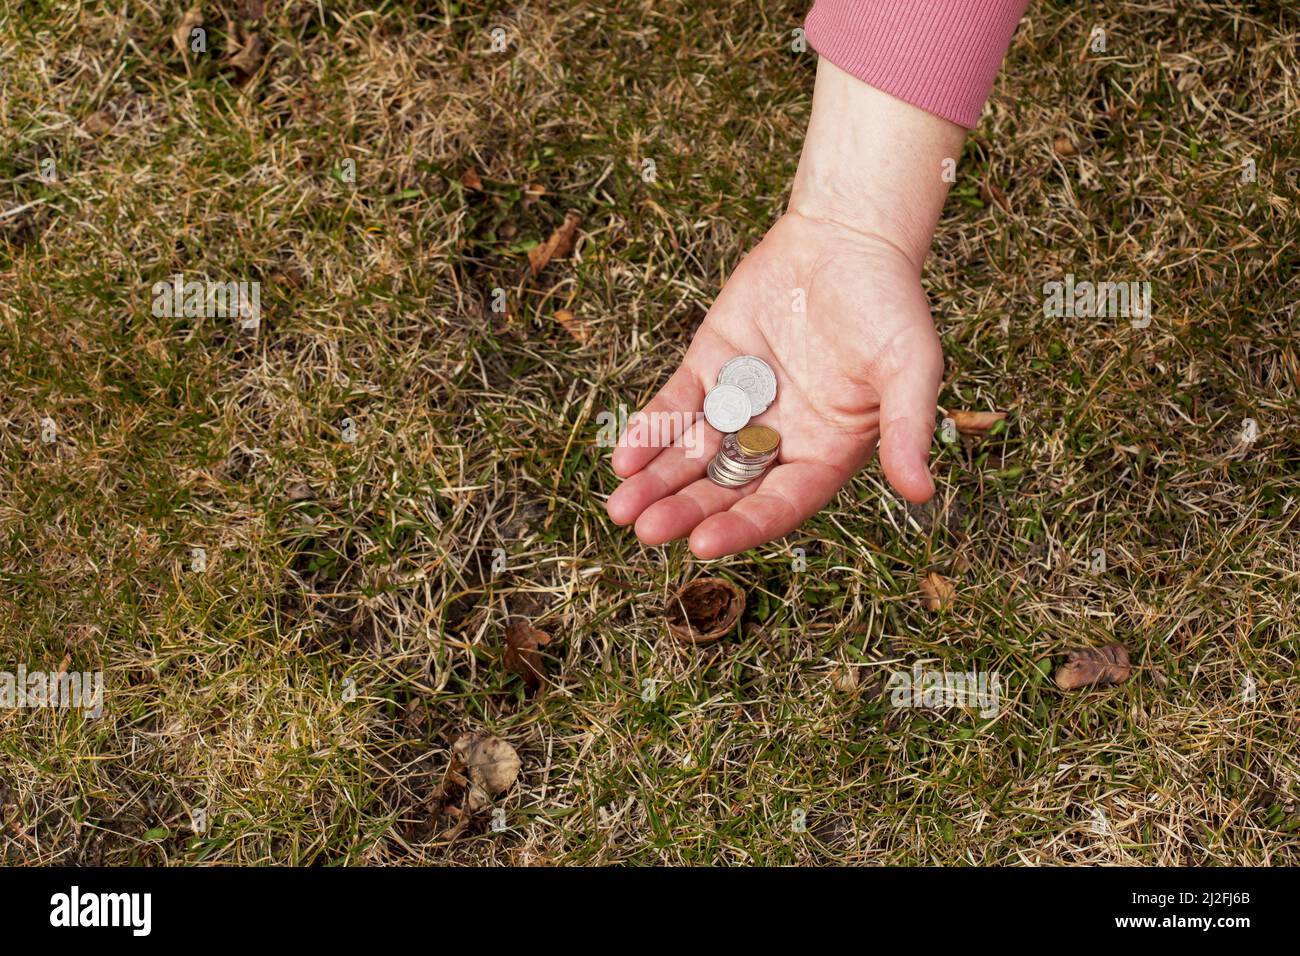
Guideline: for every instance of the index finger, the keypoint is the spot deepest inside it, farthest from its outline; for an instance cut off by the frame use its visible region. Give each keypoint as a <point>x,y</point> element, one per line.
<point>660,424</point>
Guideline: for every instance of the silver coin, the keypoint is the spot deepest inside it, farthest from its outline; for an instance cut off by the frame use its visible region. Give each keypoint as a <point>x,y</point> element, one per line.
<point>716,478</point>
<point>727,408</point>
<point>732,471</point>
<point>720,477</point>
<point>722,471</point>
<point>753,375</point>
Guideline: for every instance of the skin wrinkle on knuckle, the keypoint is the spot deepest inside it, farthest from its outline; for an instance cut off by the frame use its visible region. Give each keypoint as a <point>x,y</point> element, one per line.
<point>901,426</point>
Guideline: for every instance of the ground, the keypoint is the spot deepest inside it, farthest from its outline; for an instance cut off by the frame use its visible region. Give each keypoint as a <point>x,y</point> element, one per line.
<point>292,693</point>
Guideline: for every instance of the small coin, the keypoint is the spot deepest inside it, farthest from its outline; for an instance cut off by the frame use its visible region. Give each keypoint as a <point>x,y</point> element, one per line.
<point>723,473</point>
<point>731,452</point>
<point>727,408</point>
<point>731,474</point>
<point>757,439</point>
<point>719,477</point>
<point>753,375</point>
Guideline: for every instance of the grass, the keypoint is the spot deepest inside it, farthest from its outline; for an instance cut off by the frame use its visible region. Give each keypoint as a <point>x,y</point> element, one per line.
<point>304,690</point>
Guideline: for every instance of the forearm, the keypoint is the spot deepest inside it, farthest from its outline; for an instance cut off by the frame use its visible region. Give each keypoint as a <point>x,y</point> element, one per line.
<point>874,163</point>
<point>898,83</point>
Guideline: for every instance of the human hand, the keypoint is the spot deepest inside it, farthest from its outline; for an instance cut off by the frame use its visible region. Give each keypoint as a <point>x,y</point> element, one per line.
<point>832,300</point>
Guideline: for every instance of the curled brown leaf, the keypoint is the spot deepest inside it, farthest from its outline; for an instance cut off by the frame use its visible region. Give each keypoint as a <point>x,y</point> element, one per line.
<point>844,678</point>
<point>975,423</point>
<point>480,768</point>
<point>97,123</point>
<point>992,193</point>
<point>523,654</point>
<point>249,57</point>
<point>559,245</point>
<point>937,592</point>
<point>193,17</point>
<point>580,332</point>
<point>1085,666</point>
<point>299,491</point>
<point>491,766</point>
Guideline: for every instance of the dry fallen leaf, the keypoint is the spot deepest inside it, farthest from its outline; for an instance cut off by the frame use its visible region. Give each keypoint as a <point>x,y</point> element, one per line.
<point>992,193</point>
<point>97,124</point>
<point>291,275</point>
<point>844,678</point>
<point>452,787</point>
<point>470,179</point>
<point>577,329</point>
<point>192,18</point>
<point>1094,665</point>
<point>704,610</point>
<point>937,592</point>
<point>975,423</point>
<point>298,491</point>
<point>523,654</point>
<point>249,57</point>
<point>558,246</point>
<point>1063,146</point>
<point>491,765</point>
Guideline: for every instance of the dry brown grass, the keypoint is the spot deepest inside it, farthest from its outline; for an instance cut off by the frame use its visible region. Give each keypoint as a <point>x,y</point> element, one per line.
<point>370,562</point>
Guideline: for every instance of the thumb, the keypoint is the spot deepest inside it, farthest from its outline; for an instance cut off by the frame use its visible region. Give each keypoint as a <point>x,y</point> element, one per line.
<point>907,405</point>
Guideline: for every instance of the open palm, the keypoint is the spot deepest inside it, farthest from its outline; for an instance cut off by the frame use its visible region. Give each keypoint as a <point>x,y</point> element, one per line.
<point>842,319</point>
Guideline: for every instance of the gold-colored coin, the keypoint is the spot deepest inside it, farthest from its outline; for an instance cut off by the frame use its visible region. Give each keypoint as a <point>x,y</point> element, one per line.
<point>757,439</point>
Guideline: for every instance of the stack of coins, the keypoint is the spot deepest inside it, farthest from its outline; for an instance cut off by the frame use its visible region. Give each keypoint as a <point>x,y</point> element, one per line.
<point>746,387</point>
<point>744,456</point>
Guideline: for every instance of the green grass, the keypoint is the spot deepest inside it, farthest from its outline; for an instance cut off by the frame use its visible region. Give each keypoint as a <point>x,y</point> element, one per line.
<point>336,566</point>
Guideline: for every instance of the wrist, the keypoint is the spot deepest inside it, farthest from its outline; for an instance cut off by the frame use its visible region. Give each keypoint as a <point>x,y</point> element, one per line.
<point>874,164</point>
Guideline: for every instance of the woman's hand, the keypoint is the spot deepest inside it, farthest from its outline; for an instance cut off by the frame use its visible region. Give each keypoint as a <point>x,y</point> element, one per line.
<point>832,300</point>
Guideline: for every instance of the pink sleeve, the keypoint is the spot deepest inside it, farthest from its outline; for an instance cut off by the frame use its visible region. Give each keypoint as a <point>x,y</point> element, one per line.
<point>940,55</point>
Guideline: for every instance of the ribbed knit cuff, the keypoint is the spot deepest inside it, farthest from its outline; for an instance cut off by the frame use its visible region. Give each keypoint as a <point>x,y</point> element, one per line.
<point>940,55</point>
